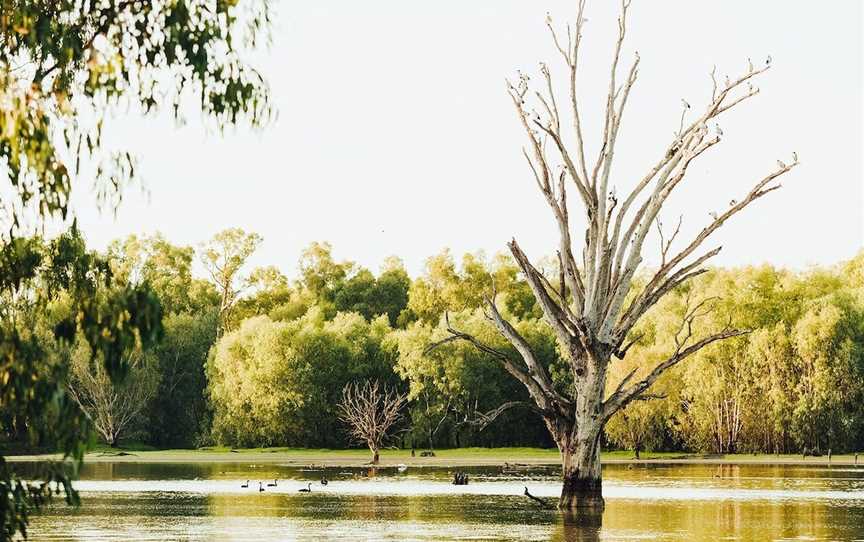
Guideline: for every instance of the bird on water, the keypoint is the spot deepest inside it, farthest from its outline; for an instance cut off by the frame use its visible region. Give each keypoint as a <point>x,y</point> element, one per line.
<point>307,489</point>
<point>273,484</point>
<point>245,485</point>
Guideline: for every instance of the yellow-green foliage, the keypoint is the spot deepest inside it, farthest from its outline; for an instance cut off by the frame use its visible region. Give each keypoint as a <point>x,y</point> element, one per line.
<point>274,382</point>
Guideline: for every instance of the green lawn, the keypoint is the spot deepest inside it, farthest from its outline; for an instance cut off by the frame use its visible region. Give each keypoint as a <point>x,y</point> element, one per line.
<point>460,456</point>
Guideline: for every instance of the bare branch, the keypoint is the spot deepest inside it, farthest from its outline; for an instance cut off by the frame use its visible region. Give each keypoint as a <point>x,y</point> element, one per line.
<point>370,410</point>
<point>482,420</point>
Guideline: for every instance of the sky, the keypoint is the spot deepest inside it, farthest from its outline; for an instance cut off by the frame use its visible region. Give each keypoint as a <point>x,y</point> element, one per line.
<point>395,134</point>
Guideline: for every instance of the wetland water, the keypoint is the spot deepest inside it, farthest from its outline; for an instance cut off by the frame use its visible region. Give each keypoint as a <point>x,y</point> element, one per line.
<point>166,501</point>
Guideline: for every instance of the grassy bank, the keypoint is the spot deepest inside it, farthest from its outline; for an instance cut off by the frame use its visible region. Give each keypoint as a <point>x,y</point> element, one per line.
<point>450,457</point>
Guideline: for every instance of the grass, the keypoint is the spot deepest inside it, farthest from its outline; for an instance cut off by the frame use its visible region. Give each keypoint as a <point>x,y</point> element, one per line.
<point>447,457</point>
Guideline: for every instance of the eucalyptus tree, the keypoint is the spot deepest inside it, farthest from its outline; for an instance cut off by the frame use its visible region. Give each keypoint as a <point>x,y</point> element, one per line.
<point>65,66</point>
<point>595,302</point>
<point>224,256</point>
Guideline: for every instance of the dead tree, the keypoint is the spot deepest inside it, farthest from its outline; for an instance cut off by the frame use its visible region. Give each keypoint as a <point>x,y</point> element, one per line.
<point>115,409</point>
<point>370,410</point>
<point>595,303</point>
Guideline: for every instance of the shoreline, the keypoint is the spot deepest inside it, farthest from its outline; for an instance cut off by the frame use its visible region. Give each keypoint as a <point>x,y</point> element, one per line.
<point>469,457</point>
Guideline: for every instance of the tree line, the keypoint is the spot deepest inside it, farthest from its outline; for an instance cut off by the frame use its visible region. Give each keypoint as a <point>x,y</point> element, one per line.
<point>249,357</point>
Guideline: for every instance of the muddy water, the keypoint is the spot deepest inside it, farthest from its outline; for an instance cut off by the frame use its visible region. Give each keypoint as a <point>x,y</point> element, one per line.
<point>158,501</point>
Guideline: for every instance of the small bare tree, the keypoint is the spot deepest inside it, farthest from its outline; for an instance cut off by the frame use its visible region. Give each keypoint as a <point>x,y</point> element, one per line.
<point>596,303</point>
<point>114,408</point>
<point>370,410</point>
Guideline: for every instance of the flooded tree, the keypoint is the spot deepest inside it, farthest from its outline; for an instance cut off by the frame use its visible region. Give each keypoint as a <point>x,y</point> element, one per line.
<point>594,303</point>
<point>370,410</point>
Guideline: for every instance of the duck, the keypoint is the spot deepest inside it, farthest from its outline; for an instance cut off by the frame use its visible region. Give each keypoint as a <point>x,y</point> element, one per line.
<point>307,489</point>
<point>260,486</point>
<point>244,486</point>
<point>273,484</point>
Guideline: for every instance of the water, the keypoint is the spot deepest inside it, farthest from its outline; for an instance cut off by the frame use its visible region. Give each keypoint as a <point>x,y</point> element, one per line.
<point>159,501</point>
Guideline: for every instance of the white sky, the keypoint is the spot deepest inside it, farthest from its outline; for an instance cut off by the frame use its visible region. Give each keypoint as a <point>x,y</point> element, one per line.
<point>396,136</point>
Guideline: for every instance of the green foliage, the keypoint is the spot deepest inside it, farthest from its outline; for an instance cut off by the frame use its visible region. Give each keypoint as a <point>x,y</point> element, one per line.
<point>166,268</point>
<point>65,61</point>
<point>371,297</point>
<point>224,256</point>
<point>64,66</point>
<point>58,291</point>
<point>793,383</point>
<point>279,382</point>
<point>178,416</point>
<point>444,288</point>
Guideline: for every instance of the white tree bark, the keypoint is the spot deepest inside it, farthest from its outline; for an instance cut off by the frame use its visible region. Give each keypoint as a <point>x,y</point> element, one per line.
<point>595,306</point>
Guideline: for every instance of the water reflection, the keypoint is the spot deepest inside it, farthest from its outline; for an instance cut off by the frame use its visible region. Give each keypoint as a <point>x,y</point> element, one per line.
<point>138,501</point>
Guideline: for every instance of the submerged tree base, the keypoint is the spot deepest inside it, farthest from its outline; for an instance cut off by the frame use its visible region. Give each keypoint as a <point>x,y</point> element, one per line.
<point>582,495</point>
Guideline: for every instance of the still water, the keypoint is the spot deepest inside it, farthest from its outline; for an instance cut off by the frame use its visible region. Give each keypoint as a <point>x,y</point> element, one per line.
<point>158,501</point>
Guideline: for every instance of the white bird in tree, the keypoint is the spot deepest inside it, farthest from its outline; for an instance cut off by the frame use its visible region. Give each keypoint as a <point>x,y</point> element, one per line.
<point>795,157</point>
<point>781,164</point>
<point>719,130</point>
<point>732,203</point>
<point>713,215</point>
<point>686,105</point>
<point>768,60</point>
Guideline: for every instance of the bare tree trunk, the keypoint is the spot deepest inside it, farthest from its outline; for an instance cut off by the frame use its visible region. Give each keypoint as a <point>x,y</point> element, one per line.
<point>375,457</point>
<point>578,440</point>
<point>582,483</point>
<point>597,302</point>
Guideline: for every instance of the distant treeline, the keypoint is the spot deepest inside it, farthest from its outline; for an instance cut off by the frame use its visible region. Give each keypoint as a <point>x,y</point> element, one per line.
<point>253,358</point>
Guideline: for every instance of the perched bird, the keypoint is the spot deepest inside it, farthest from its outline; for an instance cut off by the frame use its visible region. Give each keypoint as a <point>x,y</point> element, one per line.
<point>713,215</point>
<point>781,164</point>
<point>768,60</point>
<point>728,81</point>
<point>719,130</point>
<point>732,203</point>
<point>245,485</point>
<point>749,64</point>
<point>795,157</point>
<point>273,484</point>
<point>686,105</point>
<point>307,489</point>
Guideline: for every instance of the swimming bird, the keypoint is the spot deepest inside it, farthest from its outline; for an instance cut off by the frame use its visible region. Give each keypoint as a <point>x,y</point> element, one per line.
<point>401,467</point>
<point>273,484</point>
<point>307,489</point>
<point>245,485</point>
<point>324,481</point>
<point>260,486</point>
